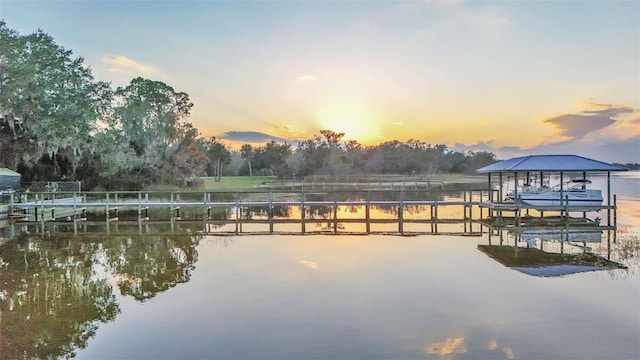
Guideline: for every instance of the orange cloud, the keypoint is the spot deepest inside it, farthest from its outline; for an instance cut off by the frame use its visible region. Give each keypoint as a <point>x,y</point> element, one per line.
<point>309,264</point>
<point>118,64</point>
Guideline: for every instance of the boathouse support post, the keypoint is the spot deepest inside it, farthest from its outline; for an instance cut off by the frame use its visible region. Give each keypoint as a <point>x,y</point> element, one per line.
<point>615,213</point>
<point>490,188</point>
<point>515,185</point>
<point>500,196</point>
<point>609,198</point>
<point>562,192</point>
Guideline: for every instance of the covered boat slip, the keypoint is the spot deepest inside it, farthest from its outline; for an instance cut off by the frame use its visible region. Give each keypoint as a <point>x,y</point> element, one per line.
<point>530,176</point>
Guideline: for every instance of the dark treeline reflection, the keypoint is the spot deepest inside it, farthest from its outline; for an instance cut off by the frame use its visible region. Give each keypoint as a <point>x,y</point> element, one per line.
<point>57,288</point>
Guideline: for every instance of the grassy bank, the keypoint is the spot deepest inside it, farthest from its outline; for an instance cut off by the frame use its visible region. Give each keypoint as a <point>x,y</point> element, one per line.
<point>238,183</point>
<point>231,183</point>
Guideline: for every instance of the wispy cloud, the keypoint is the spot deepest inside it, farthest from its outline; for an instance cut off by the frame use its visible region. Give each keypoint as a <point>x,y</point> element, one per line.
<point>249,137</point>
<point>288,131</point>
<point>122,64</point>
<point>309,264</point>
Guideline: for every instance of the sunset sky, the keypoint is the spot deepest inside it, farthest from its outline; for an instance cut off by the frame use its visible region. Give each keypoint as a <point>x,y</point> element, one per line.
<point>514,78</point>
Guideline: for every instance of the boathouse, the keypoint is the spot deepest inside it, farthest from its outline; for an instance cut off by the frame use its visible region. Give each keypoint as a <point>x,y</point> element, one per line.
<point>9,179</point>
<point>537,170</point>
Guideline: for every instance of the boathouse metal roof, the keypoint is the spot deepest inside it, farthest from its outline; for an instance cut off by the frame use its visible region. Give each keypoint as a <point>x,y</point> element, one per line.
<point>556,163</point>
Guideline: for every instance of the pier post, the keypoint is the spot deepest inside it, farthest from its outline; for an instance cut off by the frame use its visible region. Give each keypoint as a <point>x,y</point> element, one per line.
<point>204,208</point>
<point>270,212</point>
<point>471,210</point>
<point>171,206</point>
<point>335,214</point>
<point>302,211</point>
<point>435,216</point>
<point>367,214</point>
<point>237,213</point>
<point>431,216</point>
<point>400,215</point>
<point>41,208</point>
<point>106,207</point>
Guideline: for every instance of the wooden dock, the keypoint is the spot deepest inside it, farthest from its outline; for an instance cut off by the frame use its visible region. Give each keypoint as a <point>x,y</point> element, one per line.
<point>404,210</point>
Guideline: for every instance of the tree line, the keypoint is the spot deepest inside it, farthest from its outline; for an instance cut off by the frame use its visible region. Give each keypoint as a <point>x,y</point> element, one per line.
<point>58,122</point>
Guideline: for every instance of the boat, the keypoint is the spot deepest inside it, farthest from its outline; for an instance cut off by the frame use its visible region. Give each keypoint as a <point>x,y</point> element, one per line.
<point>572,194</point>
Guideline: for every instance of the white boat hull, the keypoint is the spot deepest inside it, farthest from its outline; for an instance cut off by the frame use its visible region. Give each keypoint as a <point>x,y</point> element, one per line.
<point>571,198</point>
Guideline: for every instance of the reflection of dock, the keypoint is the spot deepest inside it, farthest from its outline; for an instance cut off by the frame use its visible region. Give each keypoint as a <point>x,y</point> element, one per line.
<point>281,226</point>
<point>541,229</point>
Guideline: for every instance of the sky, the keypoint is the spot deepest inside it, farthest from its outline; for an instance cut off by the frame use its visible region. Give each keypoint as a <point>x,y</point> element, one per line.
<point>511,77</point>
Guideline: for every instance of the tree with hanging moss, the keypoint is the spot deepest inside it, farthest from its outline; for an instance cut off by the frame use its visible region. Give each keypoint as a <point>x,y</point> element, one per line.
<point>49,102</point>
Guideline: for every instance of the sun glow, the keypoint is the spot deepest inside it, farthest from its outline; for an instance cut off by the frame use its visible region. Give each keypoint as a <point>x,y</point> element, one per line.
<point>356,124</point>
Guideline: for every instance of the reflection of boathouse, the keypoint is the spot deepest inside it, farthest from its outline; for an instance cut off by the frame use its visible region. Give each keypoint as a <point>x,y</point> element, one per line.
<point>528,179</point>
<point>536,262</point>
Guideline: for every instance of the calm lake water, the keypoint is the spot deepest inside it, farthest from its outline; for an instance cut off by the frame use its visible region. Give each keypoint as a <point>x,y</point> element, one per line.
<point>149,295</point>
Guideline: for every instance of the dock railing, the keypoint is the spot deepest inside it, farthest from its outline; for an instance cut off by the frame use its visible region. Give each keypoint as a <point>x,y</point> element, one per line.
<point>406,206</point>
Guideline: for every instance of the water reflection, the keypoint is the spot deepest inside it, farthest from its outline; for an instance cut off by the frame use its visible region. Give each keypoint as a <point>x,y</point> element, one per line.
<point>57,290</point>
<point>131,289</point>
<point>562,250</point>
<point>411,296</point>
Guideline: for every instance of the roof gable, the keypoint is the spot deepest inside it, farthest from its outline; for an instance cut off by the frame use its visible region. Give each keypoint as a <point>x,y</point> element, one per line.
<point>550,163</point>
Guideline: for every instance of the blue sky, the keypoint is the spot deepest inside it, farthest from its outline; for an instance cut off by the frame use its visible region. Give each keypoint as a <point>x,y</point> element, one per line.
<point>517,77</point>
